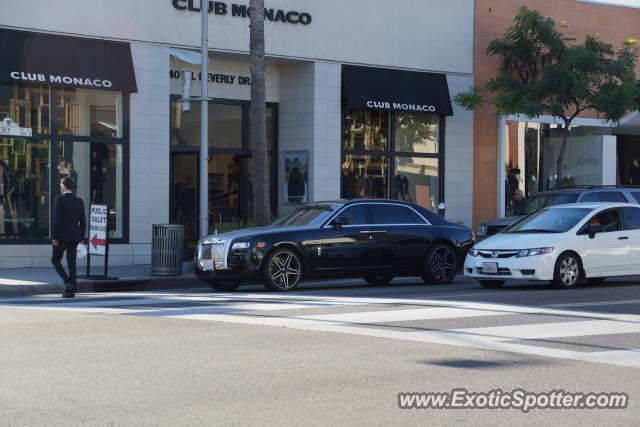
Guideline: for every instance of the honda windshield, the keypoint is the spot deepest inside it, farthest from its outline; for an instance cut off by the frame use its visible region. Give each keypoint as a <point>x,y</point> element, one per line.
<point>540,201</point>
<point>550,221</point>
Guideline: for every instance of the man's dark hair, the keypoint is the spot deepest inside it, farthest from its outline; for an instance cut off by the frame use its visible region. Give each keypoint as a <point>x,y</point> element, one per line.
<point>68,183</point>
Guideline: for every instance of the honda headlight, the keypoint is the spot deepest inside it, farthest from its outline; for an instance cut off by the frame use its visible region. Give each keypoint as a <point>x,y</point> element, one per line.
<point>474,252</point>
<point>533,252</point>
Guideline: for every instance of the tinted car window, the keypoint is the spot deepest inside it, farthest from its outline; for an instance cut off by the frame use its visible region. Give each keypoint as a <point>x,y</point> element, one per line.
<point>356,215</point>
<point>306,215</point>
<point>590,197</point>
<point>612,196</point>
<point>636,195</point>
<point>394,214</point>
<point>609,220</point>
<point>631,218</point>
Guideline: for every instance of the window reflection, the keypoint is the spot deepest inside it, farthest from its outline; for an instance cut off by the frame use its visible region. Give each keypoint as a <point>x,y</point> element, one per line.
<point>365,176</point>
<point>28,106</point>
<point>83,112</point>
<point>97,170</point>
<point>24,188</point>
<point>365,130</point>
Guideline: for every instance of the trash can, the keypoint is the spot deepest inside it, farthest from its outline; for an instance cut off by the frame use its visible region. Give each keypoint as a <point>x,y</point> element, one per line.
<point>166,249</point>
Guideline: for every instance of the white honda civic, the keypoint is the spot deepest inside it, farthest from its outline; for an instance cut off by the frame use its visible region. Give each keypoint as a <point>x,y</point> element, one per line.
<point>562,244</point>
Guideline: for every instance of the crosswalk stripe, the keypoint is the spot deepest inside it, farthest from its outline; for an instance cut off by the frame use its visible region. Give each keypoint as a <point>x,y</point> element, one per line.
<point>270,309</point>
<point>554,330</point>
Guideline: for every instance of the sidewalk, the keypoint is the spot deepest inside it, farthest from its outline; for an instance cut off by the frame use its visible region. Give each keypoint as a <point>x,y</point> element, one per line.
<point>33,281</point>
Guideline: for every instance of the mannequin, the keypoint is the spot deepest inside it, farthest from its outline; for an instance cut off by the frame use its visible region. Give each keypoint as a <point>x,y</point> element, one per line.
<point>634,172</point>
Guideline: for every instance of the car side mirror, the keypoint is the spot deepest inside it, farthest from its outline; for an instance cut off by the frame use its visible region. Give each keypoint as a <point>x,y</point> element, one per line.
<point>595,229</point>
<point>339,222</point>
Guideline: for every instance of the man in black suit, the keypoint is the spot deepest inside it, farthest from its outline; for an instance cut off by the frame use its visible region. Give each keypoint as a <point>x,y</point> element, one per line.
<point>69,228</point>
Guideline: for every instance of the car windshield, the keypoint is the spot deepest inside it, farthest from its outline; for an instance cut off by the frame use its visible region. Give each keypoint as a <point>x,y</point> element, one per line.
<point>550,221</point>
<point>540,201</point>
<point>306,215</point>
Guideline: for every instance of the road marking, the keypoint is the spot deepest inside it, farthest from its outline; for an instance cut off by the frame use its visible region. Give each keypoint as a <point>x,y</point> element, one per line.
<point>270,309</point>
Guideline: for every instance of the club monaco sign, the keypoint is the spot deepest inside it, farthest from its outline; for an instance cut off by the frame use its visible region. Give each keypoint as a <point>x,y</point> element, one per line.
<point>242,11</point>
<point>57,79</point>
<point>399,106</point>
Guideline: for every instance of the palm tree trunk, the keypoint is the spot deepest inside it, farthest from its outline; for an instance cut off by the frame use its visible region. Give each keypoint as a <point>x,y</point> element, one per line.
<point>261,177</point>
<point>563,149</point>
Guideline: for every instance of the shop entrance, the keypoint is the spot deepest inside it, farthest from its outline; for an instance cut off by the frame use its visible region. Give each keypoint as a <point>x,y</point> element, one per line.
<point>629,159</point>
<point>230,169</point>
<point>230,191</point>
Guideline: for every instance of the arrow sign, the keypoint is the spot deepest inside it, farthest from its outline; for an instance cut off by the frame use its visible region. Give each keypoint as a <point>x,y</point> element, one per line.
<point>97,242</point>
<point>98,229</point>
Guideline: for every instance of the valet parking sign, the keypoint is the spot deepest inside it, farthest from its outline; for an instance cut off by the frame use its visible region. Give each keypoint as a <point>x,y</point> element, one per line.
<point>98,230</point>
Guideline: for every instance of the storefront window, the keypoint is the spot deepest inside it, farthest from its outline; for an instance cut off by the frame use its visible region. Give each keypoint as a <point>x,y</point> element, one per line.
<point>416,133</point>
<point>365,176</point>
<point>225,125</point>
<point>28,106</point>
<point>84,112</point>
<point>97,170</point>
<point>405,166</point>
<point>365,130</point>
<point>24,188</point>
<point>417,180</point>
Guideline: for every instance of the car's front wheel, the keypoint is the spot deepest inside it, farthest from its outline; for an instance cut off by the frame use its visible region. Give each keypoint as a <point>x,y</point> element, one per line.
<point>568,271</point>
<point>441,264</point>
<point>282,270</point>
<point>378,279</point>
<point>224,285</point>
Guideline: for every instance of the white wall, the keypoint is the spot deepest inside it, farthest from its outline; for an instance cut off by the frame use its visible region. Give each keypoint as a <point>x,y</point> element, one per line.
<point>458,154</point>
<point>310,121</point>
<point>431,35</point>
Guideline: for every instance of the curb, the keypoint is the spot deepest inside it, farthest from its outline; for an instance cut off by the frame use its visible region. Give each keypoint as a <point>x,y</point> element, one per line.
<point>120,285</point>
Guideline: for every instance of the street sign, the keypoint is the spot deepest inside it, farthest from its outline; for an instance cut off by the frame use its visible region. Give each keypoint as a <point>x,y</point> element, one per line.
<point>9,128</point>
<point>98,229</point>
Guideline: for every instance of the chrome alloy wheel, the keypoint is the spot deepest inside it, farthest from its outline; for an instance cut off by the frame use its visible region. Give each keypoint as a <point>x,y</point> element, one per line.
<point>442,263</point>
<point>569,271</point>
<point>284,270</point>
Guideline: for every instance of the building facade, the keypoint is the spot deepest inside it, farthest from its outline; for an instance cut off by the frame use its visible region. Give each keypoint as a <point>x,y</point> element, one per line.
<point>358,105</point>
<point>519,152</point>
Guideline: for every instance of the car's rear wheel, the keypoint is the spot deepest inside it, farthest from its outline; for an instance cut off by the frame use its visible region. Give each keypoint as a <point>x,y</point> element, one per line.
<point>224,285</point>
<point>441,264</point>
<point>568,271</point>
<point>491,283</point>
<point>282,270</point>
<point>378,279</point>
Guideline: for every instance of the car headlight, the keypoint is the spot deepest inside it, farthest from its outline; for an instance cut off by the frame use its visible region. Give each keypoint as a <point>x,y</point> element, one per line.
<point>474,252</point>
<point>533,252</point>
<point>482,230</point>
<point>241,245</point>
<point>210,241</point>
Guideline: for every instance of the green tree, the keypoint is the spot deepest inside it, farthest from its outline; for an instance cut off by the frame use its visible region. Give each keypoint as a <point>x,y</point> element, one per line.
<point>261,177</point>
<point>546,72</point>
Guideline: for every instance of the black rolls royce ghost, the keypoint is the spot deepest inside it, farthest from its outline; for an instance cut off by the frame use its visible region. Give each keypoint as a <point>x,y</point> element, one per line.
<point>373,239</point>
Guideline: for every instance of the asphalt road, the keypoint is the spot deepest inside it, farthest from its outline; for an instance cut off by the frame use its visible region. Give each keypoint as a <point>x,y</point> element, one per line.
<point>326,354</point>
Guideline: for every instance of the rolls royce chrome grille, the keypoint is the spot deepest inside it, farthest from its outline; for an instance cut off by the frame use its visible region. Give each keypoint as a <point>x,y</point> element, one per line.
<point>213,255</point>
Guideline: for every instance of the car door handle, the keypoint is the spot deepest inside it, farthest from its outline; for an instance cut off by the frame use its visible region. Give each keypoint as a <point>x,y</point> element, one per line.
<point>373,231</point>
<point>623,238</point>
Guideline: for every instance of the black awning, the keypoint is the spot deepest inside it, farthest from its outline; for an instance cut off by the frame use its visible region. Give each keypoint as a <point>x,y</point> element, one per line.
<point>395,90</point>
<point>67,61</point>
